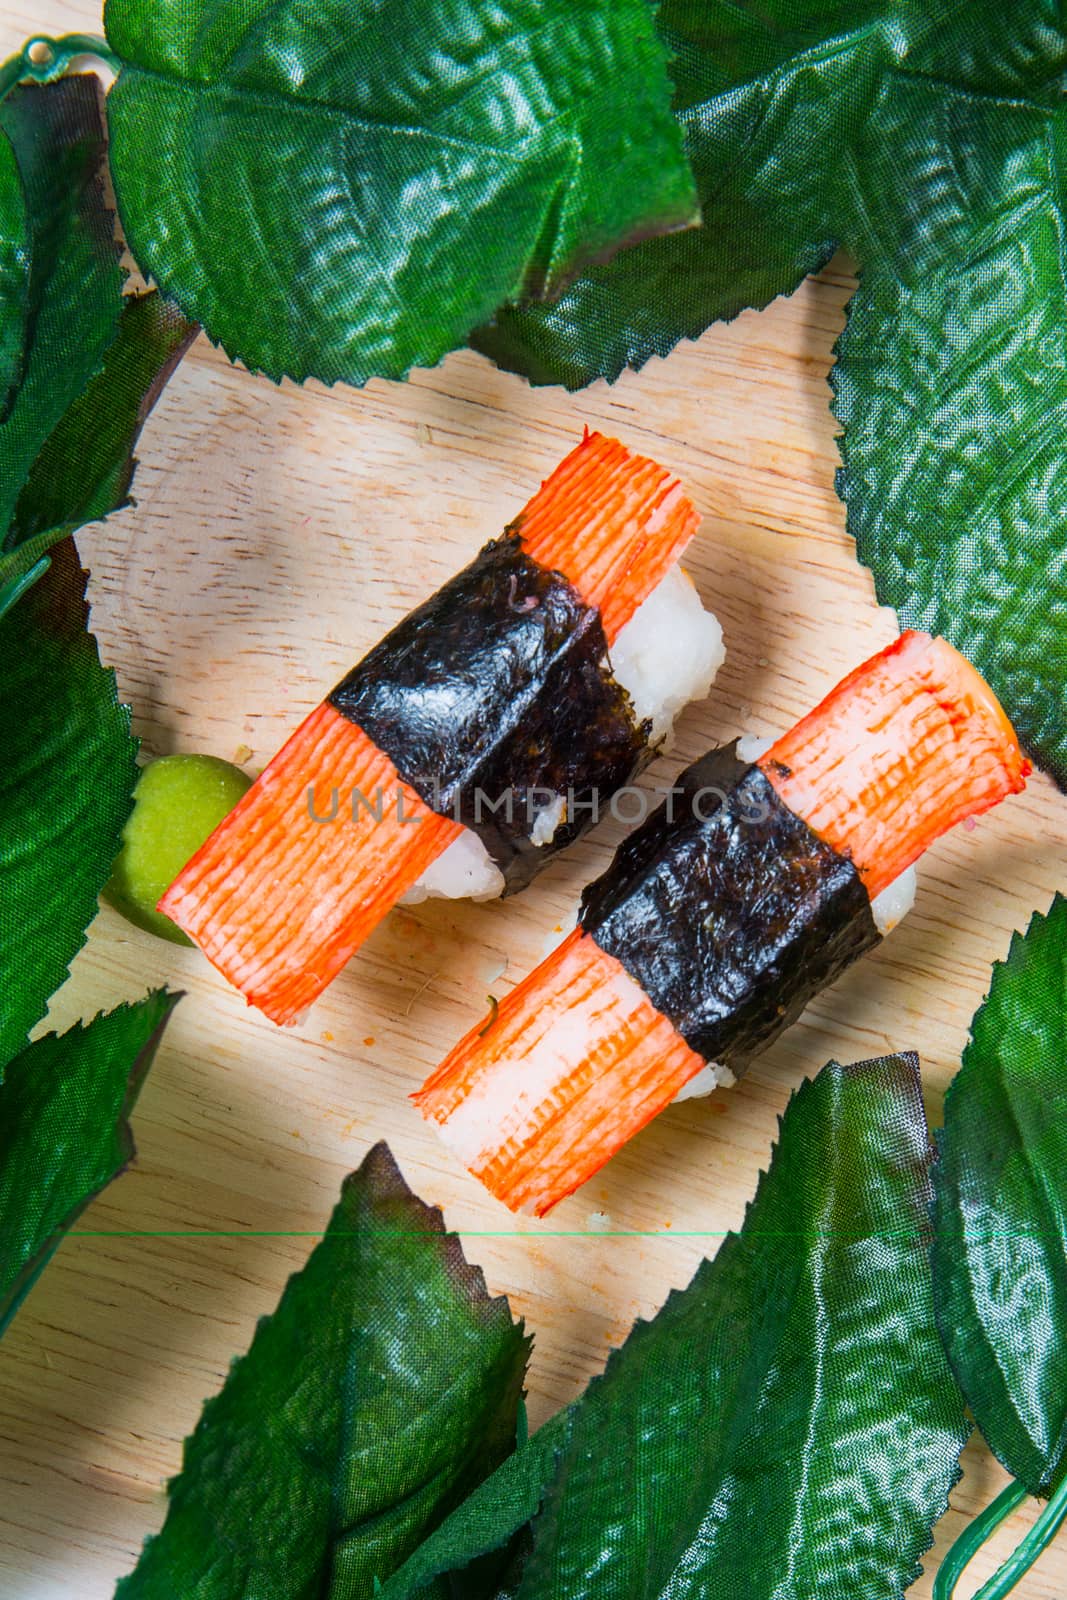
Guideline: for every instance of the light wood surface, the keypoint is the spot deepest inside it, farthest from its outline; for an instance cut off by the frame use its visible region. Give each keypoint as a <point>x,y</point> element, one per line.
<point>277,534</point>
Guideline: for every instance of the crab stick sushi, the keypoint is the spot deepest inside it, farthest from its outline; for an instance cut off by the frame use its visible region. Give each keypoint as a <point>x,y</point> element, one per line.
<point>750,889</point>
<point>486,732</point>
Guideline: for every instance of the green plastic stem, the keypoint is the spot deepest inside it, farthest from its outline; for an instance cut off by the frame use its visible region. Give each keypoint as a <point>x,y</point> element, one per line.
<point>57,57</point>
<point>18,586</point>
<point>1022,1558</point>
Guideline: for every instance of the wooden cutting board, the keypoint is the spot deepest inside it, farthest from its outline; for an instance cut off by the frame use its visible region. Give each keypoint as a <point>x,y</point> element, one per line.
<point>278,533</point>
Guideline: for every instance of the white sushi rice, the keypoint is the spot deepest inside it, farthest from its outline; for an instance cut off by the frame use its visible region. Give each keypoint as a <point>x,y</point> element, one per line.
<point>751,746</point>
<point>895,901</point>
<point>711,1077</point>
<point>666,655</point>
<point>548,820</point>
<point>463,871</point>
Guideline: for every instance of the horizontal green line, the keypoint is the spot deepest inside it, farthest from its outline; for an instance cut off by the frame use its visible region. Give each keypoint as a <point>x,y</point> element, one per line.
<point>532,1233</point>
<point>398,1233</point>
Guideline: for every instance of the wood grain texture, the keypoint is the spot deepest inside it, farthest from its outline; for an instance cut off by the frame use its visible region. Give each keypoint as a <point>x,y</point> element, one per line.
<point>278,532</point>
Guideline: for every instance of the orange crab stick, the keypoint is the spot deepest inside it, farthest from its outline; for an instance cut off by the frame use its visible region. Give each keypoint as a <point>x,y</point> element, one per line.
<point>578,1058</point>
<point>575,1061</point>
<point>613,523</point>
<point>279,901</point>
<point>305,865</point>
<point>904,748</point>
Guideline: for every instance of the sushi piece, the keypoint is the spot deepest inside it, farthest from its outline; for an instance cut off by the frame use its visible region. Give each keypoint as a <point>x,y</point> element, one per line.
<point>486,732</point>
<point>751,888</point>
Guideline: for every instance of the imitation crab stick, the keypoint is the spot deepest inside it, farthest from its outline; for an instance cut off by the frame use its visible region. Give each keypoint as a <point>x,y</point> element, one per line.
<point>483,734</point>
<point>611,522</point>
<point>593,1050</point>
<point>743,896</point>
<point>244,896</point>
<point>910,744</point>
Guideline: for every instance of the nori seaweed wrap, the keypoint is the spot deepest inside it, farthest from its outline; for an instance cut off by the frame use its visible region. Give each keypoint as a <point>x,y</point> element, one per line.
<point>729,911</point>
<point>496,698</point>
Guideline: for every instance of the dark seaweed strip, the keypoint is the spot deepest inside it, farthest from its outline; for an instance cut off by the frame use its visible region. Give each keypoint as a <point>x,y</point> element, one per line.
<point>493,697</point>
<point>707,782</point>
<point>732,916</point>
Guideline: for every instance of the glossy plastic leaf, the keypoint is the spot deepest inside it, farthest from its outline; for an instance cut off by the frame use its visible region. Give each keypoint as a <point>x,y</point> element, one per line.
<point>1000,1242</point>
<point>84,469</point>
<point>66,785</point>
<point>65,1133</point>
<point>383,1389</point>
<point>346,190</point>
<point>763,96</point>
<point>487,1521</point>
<point>798,122</point>
<point>951,384</point>
<point>94,363</point>
<point>930,140</point>
<point>14,269</point>
<point>788,1423</point>
<point>57,133</point>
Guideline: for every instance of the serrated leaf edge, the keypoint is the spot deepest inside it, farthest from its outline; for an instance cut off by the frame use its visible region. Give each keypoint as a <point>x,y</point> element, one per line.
<point>99,189</point>
<point>379,1165</point>
<point>660,349</point>
<point>1038,919</point>
<point>136,1075</point>
<point>331,375</point>
<point>641,1325</point>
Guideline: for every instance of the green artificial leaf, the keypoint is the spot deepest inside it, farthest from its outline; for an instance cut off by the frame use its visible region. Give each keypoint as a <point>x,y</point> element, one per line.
<point>346,190</point>
<point>488,1520</point>
<point>383,1389</point>
<point>66,786</point>
<point>75,284</point>
<point>762,96</point>
<point>798,122</point>
<point>788,1424</point>
<point>1000,1241</point>
<point>952,389</point>
<point>95,363</point>
<point>65,1133</point>
<point>14,269</point>
<point>84,469</point>
<point>928,138</point>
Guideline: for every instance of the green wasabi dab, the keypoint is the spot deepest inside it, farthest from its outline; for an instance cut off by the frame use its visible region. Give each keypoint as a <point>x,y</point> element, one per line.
<point>178,802</point>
